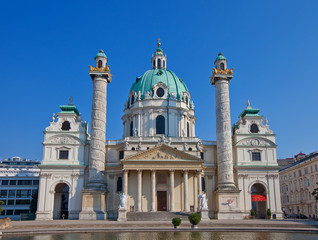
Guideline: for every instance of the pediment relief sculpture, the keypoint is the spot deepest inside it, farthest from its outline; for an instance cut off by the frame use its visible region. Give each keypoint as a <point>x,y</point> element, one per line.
<point>256,142</point>
<point>162,152</point>
<point>63,140</point>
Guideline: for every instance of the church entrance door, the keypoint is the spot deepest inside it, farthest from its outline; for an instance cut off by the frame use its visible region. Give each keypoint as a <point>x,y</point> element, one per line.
<point>259,200</point>
<point>162,200</point>
<point>61,201</point>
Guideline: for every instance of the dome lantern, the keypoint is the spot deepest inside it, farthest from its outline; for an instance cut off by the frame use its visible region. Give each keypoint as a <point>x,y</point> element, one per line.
<point>100,59</point>
<point>158,60</point>
<point>220,62</point>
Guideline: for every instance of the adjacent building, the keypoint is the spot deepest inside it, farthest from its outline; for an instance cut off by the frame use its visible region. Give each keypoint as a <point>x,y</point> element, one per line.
<point>297,182</point>
<point>19,180</point>
<point>159,164</point>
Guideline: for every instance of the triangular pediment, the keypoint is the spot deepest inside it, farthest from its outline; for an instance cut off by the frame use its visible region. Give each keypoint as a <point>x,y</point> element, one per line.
<point>162,153</point>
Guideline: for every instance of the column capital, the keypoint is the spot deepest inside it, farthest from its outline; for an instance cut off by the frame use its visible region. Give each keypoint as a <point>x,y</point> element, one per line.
<point>171,170</point>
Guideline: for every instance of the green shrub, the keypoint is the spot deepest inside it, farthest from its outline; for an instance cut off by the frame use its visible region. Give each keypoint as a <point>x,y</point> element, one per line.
<point>195,218</point>
<point>252,213</point>
<point>269,213</point>
<point>176,221</point>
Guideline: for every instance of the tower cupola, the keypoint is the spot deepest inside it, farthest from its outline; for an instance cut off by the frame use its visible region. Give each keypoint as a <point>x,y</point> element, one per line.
<point>100,59</point>
<point>158,60</point>
<point>220,62</point>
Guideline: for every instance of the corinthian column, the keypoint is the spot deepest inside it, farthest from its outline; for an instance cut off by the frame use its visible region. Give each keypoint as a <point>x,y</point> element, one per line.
<point>139,190</point>
<point>153,190</point>
<point>185,179</point>
<point>171,190</point>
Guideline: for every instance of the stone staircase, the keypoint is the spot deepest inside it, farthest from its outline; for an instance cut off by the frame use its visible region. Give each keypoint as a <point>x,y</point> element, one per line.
<point>156,216</point>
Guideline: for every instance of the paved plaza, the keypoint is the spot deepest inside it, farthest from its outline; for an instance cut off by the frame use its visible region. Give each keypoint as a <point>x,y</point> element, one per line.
<point>67,226</point>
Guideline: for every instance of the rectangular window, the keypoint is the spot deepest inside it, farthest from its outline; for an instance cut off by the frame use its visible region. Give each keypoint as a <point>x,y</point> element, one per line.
<point>5,182</point>
<point>256,156</point>
<point>299,172</point>
<point>316,168</point>
<point>63,154</point>
<point>202,155</point>
<point>306,170</point>
<point>24,182</point>
<point>36,182</point>
<point>23,201</point>
<point>119,184</point>
<point>11,193</point>
<point>10,202</point>
<point>203,184</point>
<point>18,212</point>
<point>13,182</point>
<point>23,193</point>
<point>4,193</point>
<point>4,202</point>
<point>9,212</point>
<point>121,155</point>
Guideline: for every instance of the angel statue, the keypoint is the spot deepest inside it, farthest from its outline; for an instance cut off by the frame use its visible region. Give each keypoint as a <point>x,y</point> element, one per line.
<point>123,201</point>
<point>203,201</point>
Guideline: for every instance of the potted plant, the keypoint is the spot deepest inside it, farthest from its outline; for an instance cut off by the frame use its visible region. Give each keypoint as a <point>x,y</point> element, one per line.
<point>252,214</point>
<point>176,222</point>
<point>269,213</point>
<point>194,219</point>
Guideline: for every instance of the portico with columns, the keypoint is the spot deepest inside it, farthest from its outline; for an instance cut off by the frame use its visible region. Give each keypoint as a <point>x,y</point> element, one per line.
<point>162,179</point>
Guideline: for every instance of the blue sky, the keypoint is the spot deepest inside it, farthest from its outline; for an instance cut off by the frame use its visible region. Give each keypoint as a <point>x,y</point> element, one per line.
<point>46,47</point>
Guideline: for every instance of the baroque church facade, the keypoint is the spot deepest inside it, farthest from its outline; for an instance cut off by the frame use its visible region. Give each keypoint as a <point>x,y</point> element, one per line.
<point>159,164</point>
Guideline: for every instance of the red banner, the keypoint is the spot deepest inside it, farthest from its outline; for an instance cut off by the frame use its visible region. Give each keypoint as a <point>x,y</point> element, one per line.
<point>259,198</point>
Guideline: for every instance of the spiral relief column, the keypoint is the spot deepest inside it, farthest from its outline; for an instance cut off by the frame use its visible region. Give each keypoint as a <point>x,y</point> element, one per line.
<point>227,193</point>
<point>94,196</point>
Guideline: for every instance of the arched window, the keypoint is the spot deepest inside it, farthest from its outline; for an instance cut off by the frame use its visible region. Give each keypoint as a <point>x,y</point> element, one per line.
<point>132,100</point>
<point>188,129</point>
<point>187,100</point>
<point>66,126</point>
<point>159,63</point>
<point>222,66</point>
<point>154,63</point>
<point>131,128</point>
<point>164,63</point>
<point>254,128</point>
<point>160,125</point>
<point>100,63</point>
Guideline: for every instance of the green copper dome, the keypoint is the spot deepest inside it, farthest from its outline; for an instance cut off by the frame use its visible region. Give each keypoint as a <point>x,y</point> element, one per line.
<point>220,57</point>
<point>151,77</point>
<point>101,54</point>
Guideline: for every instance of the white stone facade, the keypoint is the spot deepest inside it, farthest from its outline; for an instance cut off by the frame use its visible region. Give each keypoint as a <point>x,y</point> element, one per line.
<point>159,164</point>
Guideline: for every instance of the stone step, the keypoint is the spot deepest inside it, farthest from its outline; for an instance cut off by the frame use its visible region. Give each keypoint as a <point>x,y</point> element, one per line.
<point>156,216</point>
